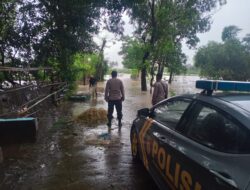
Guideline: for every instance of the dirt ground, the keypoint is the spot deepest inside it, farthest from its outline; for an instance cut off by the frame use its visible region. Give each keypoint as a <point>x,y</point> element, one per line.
<point>76,156</point>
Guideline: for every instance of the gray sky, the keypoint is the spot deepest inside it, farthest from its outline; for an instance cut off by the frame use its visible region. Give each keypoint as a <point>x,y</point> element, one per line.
<point>235,12</point>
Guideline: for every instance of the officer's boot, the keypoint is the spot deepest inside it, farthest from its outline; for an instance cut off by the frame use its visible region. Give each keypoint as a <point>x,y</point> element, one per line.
<point>109,123</point>
<point>119,123</point>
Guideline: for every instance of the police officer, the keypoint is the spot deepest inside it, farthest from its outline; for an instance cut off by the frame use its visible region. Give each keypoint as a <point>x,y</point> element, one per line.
<point>93,86</point>
<point>114,95</point>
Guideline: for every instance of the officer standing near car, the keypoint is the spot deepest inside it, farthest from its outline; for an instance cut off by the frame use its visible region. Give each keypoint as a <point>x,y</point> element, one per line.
<point>114,95</point>
<point>160,90</point>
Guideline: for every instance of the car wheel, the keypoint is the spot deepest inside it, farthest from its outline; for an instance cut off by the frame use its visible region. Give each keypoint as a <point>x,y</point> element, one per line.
<point>134,145</point>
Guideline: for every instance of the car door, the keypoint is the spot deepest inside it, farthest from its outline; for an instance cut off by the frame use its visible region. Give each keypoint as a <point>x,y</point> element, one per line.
<point>206,152</point>
<point>166,116</point>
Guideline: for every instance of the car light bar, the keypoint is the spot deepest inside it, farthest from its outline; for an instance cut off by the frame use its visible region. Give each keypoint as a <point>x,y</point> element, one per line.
<point>211,85</point>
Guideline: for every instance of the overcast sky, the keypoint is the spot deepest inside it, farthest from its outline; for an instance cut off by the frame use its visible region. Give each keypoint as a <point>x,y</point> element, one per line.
<point>235,12</point>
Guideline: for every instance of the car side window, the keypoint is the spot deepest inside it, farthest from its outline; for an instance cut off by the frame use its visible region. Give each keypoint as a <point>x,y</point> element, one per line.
<point>217,131</point>
<point>169,113</point>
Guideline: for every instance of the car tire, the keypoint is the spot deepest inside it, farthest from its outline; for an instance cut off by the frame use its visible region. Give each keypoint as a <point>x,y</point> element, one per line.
<point>134,144</point>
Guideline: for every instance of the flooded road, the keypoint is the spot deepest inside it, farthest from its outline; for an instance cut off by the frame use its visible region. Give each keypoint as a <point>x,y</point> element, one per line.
<point>72,156</point>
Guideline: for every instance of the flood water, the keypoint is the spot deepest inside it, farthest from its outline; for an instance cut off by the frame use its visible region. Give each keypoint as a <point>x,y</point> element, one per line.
<point>72,156</point>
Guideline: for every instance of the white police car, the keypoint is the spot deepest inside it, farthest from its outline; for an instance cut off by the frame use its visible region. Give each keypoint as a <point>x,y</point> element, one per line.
<point>199,141</point>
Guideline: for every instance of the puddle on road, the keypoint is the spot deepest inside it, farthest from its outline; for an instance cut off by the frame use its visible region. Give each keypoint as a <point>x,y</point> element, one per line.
<point>98,139</point>
<point>102,136</point>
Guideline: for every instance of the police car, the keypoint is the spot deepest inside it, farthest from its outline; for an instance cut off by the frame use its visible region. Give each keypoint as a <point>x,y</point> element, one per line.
<point>199,141</point>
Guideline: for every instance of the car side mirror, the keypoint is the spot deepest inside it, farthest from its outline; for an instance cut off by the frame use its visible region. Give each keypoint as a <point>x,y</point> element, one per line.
<point>143,112</point>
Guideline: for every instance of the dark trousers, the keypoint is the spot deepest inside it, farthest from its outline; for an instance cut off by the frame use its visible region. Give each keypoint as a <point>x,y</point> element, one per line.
<point>118,107</point>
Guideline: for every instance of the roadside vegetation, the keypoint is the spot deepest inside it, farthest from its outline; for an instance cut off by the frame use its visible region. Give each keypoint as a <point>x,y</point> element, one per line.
<point>59,35</point>
<point>229,60</point>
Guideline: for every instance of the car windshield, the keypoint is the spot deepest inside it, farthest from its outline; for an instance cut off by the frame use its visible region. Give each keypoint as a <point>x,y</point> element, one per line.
<point>242,100</point>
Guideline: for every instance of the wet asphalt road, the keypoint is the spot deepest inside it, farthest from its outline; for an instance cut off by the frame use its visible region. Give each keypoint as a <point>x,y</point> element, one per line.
<point>71,156</point>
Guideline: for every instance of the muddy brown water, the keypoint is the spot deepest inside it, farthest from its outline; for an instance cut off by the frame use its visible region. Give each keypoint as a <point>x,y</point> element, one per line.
<point>71,156</point>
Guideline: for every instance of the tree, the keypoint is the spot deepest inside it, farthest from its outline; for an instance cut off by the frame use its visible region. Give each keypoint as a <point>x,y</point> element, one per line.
<point>246,42</point>
<point>132,52</point>
<point>85,65</point>
<point>230,33</point>
<point>50,33</point>
<point>10,41</point>
<point>210,60</point>
<point>42,33</point>
<point>101,64</point>
<point>229,60</point>
<point>7,15</point>
<point>162,25</point>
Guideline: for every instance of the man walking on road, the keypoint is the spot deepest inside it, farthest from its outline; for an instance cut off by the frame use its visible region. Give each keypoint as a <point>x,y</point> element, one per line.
<point>114,95</point>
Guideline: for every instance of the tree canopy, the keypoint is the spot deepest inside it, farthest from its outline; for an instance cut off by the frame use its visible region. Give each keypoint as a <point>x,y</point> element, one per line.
<point>132,52</point>
<point>230,33</point>
<point>229,60</point>
<point>50,33</point>
<point>162,25</point>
